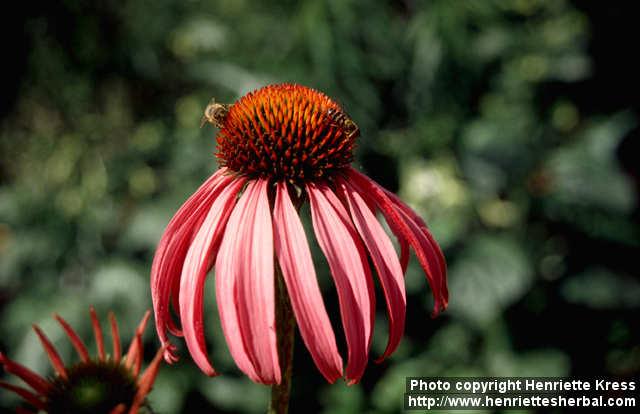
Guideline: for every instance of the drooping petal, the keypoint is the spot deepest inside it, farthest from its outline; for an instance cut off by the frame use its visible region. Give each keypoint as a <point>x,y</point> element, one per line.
<point>245,286</point>
<point>27,395</point>
<point>294,256</point>
<point>434,271</point>
<point>115,336</point>
<point>385,260</point>
<point>434,245</point>
<point>196,265</point>
<point>54,357</point>
<point>225,297</point>
<point>35,381</point>
<point>404,225</point>
<point>97,332</point>
<point>77,343</point>
<point>348,263</point>
<point>172,249</point>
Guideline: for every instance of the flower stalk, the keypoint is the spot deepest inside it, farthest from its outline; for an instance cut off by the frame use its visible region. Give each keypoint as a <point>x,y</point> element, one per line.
<point>285,328</point>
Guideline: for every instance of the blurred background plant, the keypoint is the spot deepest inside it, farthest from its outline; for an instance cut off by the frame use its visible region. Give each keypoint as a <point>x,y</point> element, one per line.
<point>511,126</point>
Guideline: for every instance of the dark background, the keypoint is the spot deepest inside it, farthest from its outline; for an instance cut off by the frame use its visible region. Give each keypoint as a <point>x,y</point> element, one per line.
<point>511,126</point>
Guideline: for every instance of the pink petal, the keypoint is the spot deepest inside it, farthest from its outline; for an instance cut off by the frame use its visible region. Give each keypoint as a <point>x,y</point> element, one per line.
<point>385,260</point>
<point>433,269</point>
<point>348,263</point>
<point>132,357</point>
<point>27,395</point>
<point>245,286</point>
<point>77,343</point>
<point>171,252</point>
<point>134,353</point>
<point>139,356</point>
<point>146,382</point>
<point>194,273</point>
<point>292,250</point>
<point>115,336</point>
<point>51,351</point>
<point>35,381</point>
<point>434,245</point>
<point>97,332</point>
<point>408,226</point>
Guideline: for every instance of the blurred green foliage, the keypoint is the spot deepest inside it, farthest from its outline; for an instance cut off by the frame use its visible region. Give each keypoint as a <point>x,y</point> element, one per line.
<point>522,189</point>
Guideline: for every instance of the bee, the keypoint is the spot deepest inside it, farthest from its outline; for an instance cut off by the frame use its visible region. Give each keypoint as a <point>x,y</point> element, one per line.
<point>215,113</point>
<point>342,120</point>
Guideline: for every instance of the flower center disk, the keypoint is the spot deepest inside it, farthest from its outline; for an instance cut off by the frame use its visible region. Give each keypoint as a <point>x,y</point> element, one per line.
<point>286,132</point>
<point>92,387</point>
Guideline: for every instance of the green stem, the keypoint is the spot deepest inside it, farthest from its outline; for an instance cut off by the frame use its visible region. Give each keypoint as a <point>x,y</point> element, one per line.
<point>285,328</point>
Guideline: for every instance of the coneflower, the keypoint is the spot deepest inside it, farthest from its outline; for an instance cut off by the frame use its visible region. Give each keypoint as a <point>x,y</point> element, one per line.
<point>108,384</point>
<point>279,147</point>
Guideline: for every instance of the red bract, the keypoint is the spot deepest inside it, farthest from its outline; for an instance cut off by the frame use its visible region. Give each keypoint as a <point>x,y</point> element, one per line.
<point>279,147</point>
<point>121,387</point>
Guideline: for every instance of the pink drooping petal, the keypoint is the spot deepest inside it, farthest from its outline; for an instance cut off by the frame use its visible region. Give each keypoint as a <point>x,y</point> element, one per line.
<point>172,249</point>
<point>51,351</point>
<point>97,332</point>
<point>426,257</point>
<point>349,268</point>
<point>385,260</point>
<point>407,225</point>
<point>196,265</point>
<point>292,251</point>
<point>434,271</point>
<point>27,395</point>
<point>35,381</point>
<point>77,343</point>
<point>146,381</point>
<point>115,336</point>
<point>245,286</point>
<point>434,245</point>
<point>169,257</point>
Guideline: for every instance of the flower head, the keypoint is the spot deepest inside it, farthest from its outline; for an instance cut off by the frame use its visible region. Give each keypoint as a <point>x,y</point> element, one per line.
<point>286,132</point>
<point>109,384</point>
<point>278,147</point>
